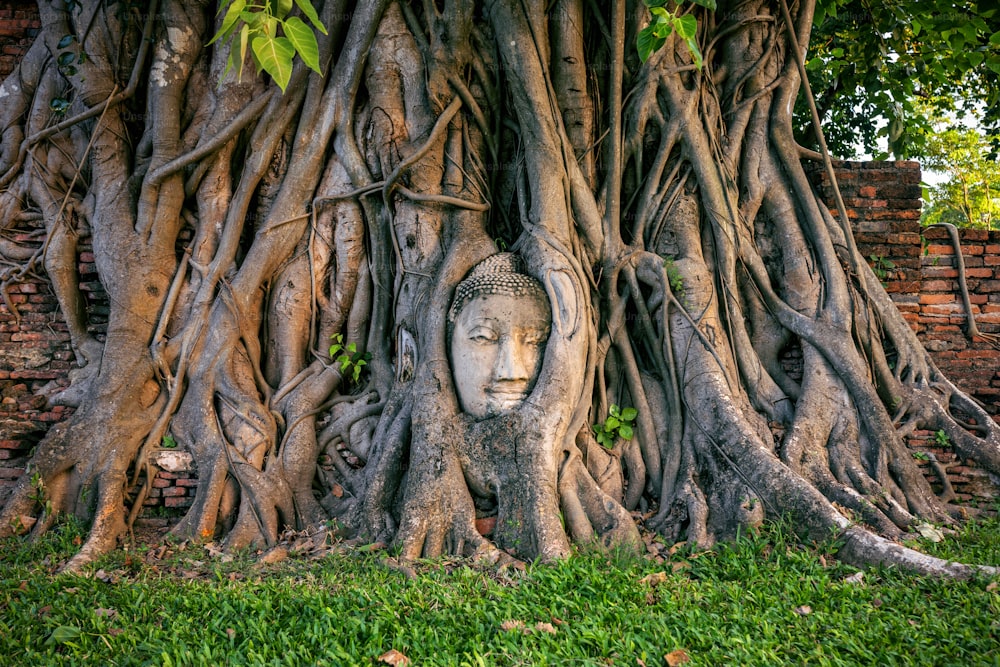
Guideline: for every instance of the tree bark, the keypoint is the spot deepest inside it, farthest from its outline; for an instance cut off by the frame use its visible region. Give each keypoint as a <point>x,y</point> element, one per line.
<point>661,206</point>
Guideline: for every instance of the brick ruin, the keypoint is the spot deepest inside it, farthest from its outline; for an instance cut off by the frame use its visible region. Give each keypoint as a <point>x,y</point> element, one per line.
<point>19,25</point>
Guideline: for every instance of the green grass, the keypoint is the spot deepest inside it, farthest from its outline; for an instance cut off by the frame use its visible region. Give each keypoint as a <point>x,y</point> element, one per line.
<point>740,604</point>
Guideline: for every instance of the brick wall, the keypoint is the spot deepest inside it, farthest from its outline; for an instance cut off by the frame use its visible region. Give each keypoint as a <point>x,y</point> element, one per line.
<point>919,271</point>
<point>18,26</point>
<point>35,355</point>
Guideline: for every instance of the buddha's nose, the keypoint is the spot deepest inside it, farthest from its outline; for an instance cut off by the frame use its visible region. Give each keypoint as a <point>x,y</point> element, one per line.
<point>510,363</point>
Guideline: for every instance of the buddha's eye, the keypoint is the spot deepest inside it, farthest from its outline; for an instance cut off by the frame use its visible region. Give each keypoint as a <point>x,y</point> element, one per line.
<point>483,336</point>
<point>536,338</point>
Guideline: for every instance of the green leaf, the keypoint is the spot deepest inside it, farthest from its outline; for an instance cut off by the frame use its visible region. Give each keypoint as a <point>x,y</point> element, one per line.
<point>647,42</point>
<point>625,431</point>
<point>655,3</point>
<point>614,410</point>
<point>628,414</point>
<point>63,634</point>
<point>66,41</point>
<point>169,442</point>
<point>686,26</point>
<point>229,21</point>
<point>663,27</point>
<point>707,4</point>
<point>274,56</point>
<point>282,7</point>
<point>310,13</point>
<point>244,41</point>
<point>611,423</point>
<point>695,52</point>
<point>304,40</point>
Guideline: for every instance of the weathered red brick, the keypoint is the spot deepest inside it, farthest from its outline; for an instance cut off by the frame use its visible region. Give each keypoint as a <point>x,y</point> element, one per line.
<point>937,298</point>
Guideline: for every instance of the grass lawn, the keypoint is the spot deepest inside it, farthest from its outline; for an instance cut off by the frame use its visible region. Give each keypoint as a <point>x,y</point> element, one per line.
<point>763,600</point>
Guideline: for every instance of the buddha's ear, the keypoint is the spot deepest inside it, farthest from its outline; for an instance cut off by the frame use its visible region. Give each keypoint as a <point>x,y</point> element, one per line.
<point>565,302</point>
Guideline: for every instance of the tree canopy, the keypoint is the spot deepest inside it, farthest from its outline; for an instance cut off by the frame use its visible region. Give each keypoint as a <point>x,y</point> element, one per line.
<point>884,71</point>
<point>970,197</point>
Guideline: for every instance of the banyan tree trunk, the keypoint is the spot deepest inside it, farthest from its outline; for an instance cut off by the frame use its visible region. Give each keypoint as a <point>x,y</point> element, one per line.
<point>659,209</point>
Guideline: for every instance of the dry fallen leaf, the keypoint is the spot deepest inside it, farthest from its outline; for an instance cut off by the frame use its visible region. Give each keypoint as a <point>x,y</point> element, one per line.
<point>394,657</point>
<point>856,578</point>
<point>804,610</point>
<point>510,626</point>
<point>275,555</point>
<point>545,627</point>
<point>678,657</point>
<point>107,613</point>
<point>992,586</point>
<point>929,532</point>
<point>24,523</point>
<point>654,579</point>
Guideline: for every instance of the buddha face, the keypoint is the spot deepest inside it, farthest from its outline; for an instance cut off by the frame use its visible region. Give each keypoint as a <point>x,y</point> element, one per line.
<point>497,346</point>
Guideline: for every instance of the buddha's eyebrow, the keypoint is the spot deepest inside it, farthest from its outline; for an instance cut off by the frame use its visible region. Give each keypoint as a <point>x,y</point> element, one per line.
<point>484,322</point>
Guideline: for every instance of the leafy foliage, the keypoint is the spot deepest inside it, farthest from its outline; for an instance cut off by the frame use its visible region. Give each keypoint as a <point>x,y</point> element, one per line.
<point>351,361</point>
<point>273,36</point>
<point>619,424</point>
<point>971,195</point>
<point>881,266</point>
<point>652,38</point>
<point>870,60</point>
<point>941,439</point>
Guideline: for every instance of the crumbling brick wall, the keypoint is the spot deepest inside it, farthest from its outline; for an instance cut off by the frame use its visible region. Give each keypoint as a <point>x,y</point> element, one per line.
<point>919,270</point>
<point>19,25</point>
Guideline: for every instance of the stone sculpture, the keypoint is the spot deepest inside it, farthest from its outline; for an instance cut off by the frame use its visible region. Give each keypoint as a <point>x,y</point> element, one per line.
<point>499,322</point>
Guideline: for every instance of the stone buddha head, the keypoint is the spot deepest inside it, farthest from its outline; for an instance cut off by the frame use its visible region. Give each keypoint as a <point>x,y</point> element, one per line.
<point>499,323</point>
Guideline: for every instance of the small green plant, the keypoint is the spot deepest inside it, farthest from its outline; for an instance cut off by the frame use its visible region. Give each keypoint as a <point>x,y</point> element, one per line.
<point>882,266</point>
<point>169,442</point>
<point>674,278</point>
<point>618,424</point>
<point>259,25</point>
<point>351,361</point>
<point>39,495</point>
<point>941,439</point>
<point>652,38</point>
<point>921,456</point>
